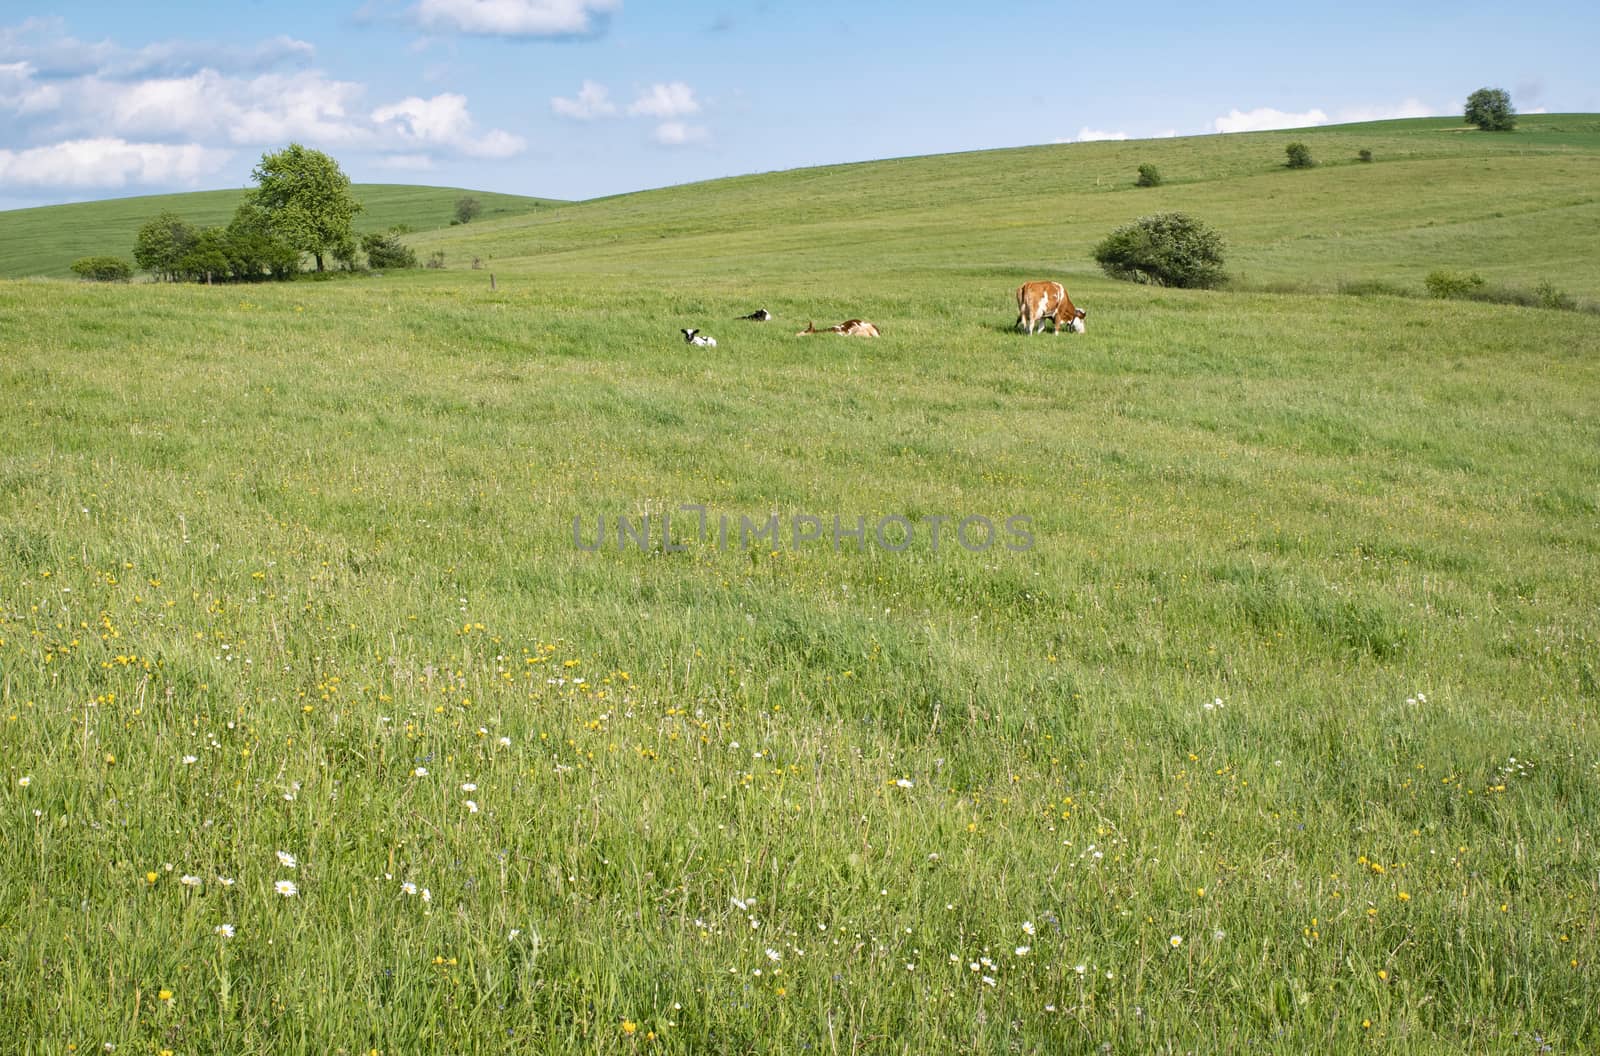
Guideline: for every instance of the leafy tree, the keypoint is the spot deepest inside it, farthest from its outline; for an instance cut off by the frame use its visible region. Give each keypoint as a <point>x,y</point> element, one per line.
<point>1168,249</point>
<point>254,250</point>
<point>102,269</point>
<point>207,256</point>
<point>1363,154</point>
<point>161,243</point>
<point>387,251</point>
<point>1149,176</point>
<point>1491,110</point>
<point>1299,156</point>
<point>467,208</point>
<point>307,200</point>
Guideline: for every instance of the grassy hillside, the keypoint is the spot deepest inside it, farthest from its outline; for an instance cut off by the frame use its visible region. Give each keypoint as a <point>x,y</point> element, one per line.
<point>46,240</point>
<point>1281,735</point>
<point>1517,207</point>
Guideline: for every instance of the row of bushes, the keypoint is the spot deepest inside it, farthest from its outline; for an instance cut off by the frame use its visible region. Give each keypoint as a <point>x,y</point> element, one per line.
<point>172,249</point>
<point>1299,158</point>
<point>1445,284</point>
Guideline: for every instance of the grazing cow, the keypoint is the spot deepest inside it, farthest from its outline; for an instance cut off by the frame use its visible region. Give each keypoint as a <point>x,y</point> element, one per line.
<point>695,337</point>
<point>849,328</point>
<point>760,315</point>
<point>1038,301</point>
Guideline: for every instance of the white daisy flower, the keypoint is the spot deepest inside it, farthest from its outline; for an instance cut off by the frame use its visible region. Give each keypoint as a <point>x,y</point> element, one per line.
<point>286,888</point>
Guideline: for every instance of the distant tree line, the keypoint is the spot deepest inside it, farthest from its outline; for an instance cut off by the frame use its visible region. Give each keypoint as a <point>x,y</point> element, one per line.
<point>301,206</point>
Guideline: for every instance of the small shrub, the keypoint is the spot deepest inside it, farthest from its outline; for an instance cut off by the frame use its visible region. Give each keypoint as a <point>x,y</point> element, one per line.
<point>1168,249</point>
<point>436,259</point>
<point>1550,297</point>
<point>102,269</point>
<point>1299,156</point>
<point>1457,284</point>
<point>1149,176</point>
<point>1363,154</point>
<point>466,209</point>
<point>387,251</point>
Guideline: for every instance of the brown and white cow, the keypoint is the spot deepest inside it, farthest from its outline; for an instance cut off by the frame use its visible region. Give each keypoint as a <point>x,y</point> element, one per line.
<point>849,328</point>
<point>1038,301</point>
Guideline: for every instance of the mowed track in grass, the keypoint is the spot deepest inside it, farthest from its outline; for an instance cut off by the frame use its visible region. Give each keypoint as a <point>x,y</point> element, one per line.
<point>46,240</point>
<point>1282,735</point>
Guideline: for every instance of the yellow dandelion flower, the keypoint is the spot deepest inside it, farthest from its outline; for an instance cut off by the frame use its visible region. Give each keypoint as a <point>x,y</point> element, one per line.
<point>629,1027</point>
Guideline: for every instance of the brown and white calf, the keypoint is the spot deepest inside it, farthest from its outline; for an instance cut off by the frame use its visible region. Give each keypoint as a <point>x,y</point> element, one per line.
<point>1038,301</point>
<point>849,328</point>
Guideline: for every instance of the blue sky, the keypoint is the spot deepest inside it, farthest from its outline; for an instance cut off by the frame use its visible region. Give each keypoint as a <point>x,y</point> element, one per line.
<point>582,98</point>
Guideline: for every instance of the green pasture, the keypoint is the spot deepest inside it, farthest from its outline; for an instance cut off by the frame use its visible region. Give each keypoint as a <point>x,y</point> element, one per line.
<point>1280,737</point>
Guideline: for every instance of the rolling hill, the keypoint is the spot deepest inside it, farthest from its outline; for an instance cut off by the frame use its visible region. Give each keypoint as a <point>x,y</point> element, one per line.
<point>46,240</point>
<point>1518,207</point>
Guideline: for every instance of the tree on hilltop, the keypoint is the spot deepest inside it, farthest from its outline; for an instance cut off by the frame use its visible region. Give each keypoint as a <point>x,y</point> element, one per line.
<point>306,199</point>
<point>1491,110</point>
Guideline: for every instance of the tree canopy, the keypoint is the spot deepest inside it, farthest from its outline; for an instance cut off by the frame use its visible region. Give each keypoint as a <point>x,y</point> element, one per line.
<point>1491,110</point>
<point>306,200</point>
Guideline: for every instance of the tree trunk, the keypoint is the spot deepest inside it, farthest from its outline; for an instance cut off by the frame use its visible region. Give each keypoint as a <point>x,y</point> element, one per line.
<point>319,260</point>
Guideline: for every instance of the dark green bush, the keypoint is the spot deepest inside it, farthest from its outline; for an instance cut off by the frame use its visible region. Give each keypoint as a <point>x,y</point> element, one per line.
<point>102,269</point>
<point>1363,154</point>
<point>387,251</point>
<point>1299,155</point>
<point>1551,297</point>
<point>1168,249</point>
<point>1149,176</point>
<point>1491,110</point>
<point>1443,283</point>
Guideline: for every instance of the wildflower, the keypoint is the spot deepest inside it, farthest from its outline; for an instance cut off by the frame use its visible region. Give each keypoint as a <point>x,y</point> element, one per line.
<point>1027,928</point>
<point>286,888</point>
<point>190,760</point>
<point>904,783</point>
<point>164,995</point>
<point>1404,896</point>
<point>225,881</point>
<point>1080,968</point>
<point>629,1027</point>
<point>1383,976</point>
<point>24,781</point>
<point>408,888</point>
<point>505,742</point>
<point>988,980</point>
<point>190,881</point>
<point>472,808</point>
<point>224,930</point>
<point>286,860</point>
<point>427,896</point>
<point>1022,951</point>
<point>1175,941</point>
<point>469,786</point>
<point>420,771</point>
<point>512,935</point>
<point>151,877</point>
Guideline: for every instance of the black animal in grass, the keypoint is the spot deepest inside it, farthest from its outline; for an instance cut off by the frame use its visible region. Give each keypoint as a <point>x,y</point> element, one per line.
<point>760,315</point>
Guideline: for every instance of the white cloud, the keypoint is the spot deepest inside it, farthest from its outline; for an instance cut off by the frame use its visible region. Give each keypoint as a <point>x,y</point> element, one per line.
<point>48,47</point>
<point>110,162</point>
<point>444,121</point>
<point>666,100</point>
<point>1095,135</point>
<point>406,162</point>
<point>678,134</point>
<point>514,18</point>
<point>1265,118</point>
<point>592,101</point>
<point>1535,110</point>
<point>1408,108</point>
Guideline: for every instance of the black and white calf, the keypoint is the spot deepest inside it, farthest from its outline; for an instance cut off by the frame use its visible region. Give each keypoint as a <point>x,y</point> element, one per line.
<point>695,337</point>
<point>760,315</point>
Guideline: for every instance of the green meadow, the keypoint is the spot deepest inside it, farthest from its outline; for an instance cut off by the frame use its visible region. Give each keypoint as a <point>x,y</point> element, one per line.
<point>322,732</point>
